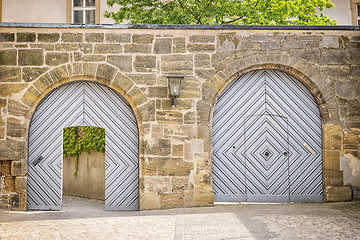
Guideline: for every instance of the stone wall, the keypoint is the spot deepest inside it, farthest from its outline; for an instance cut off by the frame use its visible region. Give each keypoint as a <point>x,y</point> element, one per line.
<point>175,142</point>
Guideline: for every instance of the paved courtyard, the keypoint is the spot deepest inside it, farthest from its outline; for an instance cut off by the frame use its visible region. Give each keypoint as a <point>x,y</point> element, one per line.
<point>87,219</point>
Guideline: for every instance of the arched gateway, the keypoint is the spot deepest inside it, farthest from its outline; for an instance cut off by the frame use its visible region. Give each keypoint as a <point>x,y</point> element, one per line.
<point>83,104</point>
<point>267,143</point>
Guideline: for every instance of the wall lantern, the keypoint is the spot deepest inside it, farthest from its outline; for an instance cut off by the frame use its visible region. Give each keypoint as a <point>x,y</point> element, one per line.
<point>175,88</point>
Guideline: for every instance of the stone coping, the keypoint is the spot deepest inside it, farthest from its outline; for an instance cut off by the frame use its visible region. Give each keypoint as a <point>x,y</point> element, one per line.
<point>199,27</point>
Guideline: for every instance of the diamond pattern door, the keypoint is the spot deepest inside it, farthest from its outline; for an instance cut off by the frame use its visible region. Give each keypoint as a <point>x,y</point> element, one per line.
<point>266,137</point>
<point>266,158</point>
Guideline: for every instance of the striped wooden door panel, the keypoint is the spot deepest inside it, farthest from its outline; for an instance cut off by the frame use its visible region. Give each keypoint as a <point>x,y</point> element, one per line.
<point>271,97</point>
<point>83,104</point>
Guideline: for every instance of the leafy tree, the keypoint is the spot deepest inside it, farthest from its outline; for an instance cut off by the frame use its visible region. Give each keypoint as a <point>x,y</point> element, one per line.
<point>264,12</point>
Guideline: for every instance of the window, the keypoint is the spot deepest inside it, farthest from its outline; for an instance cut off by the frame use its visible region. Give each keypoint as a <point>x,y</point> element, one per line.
<point>355,12</point>
<point>83,11</point>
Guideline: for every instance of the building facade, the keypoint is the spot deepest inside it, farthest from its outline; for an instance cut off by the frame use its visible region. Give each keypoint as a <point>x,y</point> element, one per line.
<point>264,114</point>
<point>346,12</point>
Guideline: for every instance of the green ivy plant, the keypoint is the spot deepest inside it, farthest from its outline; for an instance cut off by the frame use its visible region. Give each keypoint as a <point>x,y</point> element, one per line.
<point>82,139</point>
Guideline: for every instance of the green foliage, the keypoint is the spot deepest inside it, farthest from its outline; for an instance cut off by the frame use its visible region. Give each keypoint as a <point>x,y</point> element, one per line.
<point>263,12</point>
<point>82,139</point>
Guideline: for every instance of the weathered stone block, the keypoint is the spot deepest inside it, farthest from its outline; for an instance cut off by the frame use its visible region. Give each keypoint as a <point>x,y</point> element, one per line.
<point>137,96</point>
<point>157,92</point>
<point>46,47</point>
<point>5,168</point>
<point>43,82</point>
<point>177,150</point>
<point>2,132</point>
<point>15,128</point>
<point>8,185</point>
<point>59,74</point>
<point>26,37</point>
<point>169,117</point>
<point>249,45</point>
<point>15,108</point>
<point>189,118</point>
<point>107,48</point>
<point>55,59</point>
<point>195,47</point>
<point>10,74</point>
<point>191,88</point>
<point>202,38</point>
<point>106,72</point>
<point>228,42</point>
<point>174,167</point>
<point>329,42</point>
<point>89,69</point>
<point>270,45</point>
<point>332,56</point>
<point>181,104</point>
<point>158,184</point>
<point>124,63</point>
<point>177,64</point>
<point>67,47</point>
<point>179,45</point>
<point>143,79</point>
<point>7,37</point>
<point>15,201</point>
<point>11,149</point>
<point>123,82</point>
<point>48,37</point>
<point>145,63</point>
<point>17,168</point>
<point>8,57</point>
<point>20,184</point>
<point>202,61</point>
<point>348,90</point>
<point>149,201</point>
<point>137,48</point>
<point>93,58</point>
<point>203,109</point>
<point>31,73</point>
<point>352,56</point>
<point>221,59</point>
<point>176,132</point>
<point>171,200</point>
<point>148,111</point>
<point>118,38</point>
<point>8,89</point>
<point>143,38</point>
<point>162,46</point>
<point>310,55</point>
<point>72,37</point>
<point>75,69</point>
<point>337,194</point>
<point>204,195</point>
<point>30,57</point>
<point>94,37</point>
<point>332,137</point>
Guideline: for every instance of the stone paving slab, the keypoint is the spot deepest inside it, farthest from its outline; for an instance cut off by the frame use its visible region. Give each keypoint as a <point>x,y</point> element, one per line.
<point>87,219</point>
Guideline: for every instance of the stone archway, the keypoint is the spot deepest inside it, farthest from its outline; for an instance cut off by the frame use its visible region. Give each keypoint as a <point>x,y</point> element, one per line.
<point>316,81</point>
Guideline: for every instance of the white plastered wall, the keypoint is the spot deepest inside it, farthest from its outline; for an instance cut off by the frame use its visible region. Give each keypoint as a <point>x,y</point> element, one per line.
<point>34,11</point>
<point>341,12</point>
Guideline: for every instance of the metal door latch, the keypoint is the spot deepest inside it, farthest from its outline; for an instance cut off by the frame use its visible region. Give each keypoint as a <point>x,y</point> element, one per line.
<point>37,161</point>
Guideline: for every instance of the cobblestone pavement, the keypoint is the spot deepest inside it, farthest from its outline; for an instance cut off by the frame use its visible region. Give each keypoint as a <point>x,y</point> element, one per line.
<point>87,219</point>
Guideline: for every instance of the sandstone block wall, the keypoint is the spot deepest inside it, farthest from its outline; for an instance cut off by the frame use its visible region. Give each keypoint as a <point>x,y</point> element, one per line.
<point>175,142</point>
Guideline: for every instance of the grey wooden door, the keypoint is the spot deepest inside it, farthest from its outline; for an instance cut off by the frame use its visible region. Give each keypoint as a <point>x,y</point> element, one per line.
<point>83,104</point>
<point>267,140</point>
